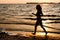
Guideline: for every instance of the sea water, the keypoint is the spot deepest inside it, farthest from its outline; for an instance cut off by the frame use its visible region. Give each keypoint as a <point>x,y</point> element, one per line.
<point>12,17</point>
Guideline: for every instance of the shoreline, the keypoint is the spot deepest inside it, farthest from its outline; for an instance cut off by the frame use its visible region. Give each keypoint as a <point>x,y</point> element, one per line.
<point>5,36</point>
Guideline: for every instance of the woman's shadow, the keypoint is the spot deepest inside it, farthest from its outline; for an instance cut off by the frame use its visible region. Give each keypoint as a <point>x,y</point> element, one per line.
<point>39,21</point>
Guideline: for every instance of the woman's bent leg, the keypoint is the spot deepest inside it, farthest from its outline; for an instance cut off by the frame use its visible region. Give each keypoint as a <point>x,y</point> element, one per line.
<point>43,28</point>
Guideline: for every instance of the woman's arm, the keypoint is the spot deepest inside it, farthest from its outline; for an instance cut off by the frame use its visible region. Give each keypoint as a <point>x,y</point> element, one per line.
<point>41,13</point>
<point>34,14</point>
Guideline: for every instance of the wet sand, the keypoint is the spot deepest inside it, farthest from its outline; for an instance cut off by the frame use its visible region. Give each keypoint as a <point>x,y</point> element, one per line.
<point>4,36</point>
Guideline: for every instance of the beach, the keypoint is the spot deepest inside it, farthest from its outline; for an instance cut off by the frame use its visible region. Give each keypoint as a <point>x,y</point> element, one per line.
<point>17,22</point>
<point>5,36</point>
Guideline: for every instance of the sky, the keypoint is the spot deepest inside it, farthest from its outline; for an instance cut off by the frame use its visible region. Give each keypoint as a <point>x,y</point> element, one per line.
<point>24,1</point>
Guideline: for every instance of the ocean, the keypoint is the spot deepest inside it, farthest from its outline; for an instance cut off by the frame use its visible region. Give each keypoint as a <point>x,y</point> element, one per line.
<point>19,17</point>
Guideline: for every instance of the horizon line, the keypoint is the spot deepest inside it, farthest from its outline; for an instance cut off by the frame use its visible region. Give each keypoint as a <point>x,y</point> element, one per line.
<point>33,3</point>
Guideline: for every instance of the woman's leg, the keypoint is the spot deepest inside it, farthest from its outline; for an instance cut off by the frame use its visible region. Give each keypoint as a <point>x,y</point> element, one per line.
<point>43,27</point>
<point>35,27</point>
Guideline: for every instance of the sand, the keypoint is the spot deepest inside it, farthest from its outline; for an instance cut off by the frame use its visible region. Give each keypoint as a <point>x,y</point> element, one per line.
<point>5,36</point>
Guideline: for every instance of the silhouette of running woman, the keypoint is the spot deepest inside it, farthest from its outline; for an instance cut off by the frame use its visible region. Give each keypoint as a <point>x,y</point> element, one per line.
<point>39,20</point>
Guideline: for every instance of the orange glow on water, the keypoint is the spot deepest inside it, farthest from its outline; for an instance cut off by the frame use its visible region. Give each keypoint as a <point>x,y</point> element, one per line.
<point>40,33</point>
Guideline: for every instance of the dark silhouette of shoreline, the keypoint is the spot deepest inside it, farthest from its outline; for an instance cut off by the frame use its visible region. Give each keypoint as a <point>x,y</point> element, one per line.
<point>42,3</point>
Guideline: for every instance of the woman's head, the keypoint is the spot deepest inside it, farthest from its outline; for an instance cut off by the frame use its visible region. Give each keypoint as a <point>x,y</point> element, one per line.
<point>38,7</point>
